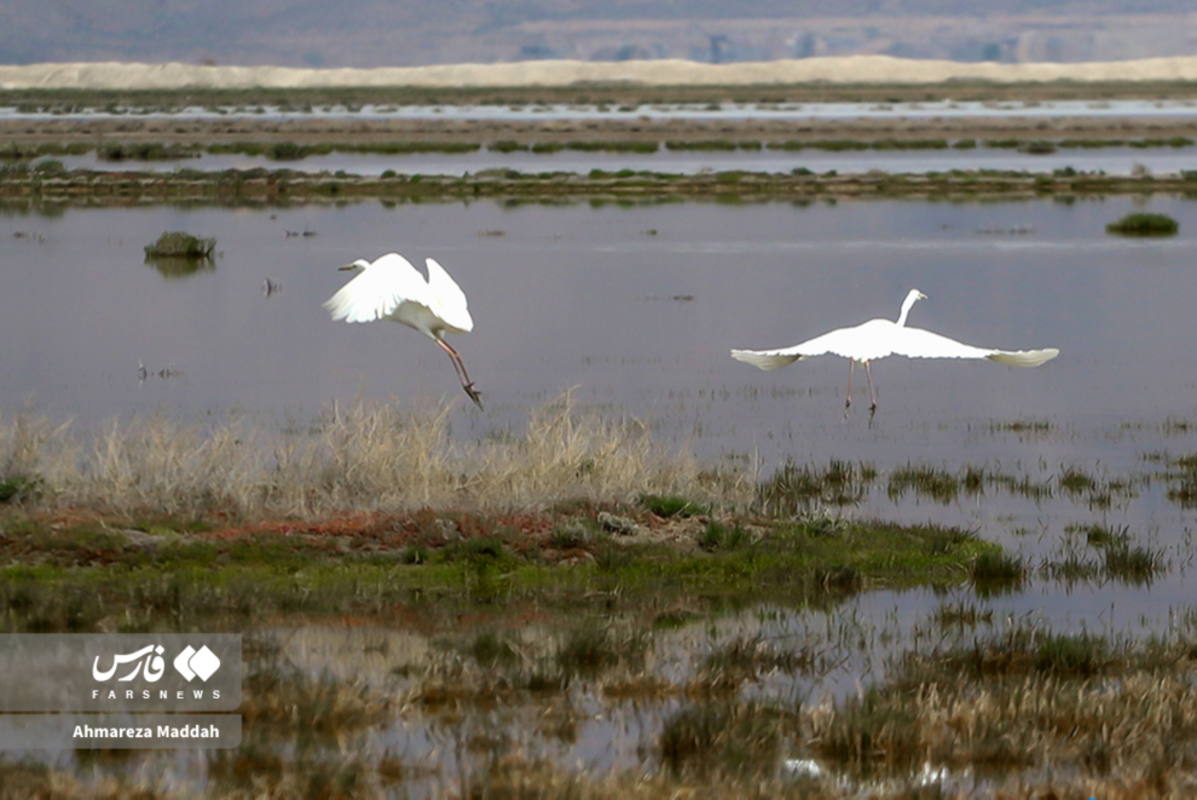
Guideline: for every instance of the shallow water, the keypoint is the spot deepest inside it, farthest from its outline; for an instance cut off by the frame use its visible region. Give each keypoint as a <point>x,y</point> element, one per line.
<point>634,309</point>
<point>949,109</point>
<point>1110,160</point>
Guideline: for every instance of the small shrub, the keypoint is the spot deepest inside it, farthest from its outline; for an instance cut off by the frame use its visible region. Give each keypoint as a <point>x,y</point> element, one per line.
<point>179,244</point>
<point>718,537</point>
<point>18,487</point>
<point>1038,148</point>
<point>1141,224</point>
<point>285,151</point>
<point>1076,656</point>
<point>570,535</point>
<point>671,506</point>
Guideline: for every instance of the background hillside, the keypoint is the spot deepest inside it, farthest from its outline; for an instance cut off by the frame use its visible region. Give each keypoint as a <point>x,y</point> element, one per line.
<point>370,33</point>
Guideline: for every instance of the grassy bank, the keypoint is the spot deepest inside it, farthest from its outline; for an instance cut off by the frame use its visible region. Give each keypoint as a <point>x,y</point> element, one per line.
<point>30,187</point>
<point>616,95</point>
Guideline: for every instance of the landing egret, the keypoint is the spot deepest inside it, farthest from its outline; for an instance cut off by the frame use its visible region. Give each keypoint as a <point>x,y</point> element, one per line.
<point>879,338</point>
<point>391,288</point>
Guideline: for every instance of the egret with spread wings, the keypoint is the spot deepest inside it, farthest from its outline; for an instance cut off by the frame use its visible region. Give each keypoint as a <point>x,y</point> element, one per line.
<point>391,288</point>
<point>879,338</point>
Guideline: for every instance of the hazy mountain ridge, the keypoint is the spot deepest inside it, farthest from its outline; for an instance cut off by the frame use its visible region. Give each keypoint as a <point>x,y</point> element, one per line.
<point>366,33</point>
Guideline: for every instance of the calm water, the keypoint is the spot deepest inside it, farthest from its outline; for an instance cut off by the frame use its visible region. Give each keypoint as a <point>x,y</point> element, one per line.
<point>1110,160</point>
<point>635,310</point>
<point>951,109</point>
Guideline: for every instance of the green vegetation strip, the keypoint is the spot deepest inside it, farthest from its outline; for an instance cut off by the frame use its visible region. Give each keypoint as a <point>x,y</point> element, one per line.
<point>24,186</point>
<point>68,580</point>
<point>627,97</point>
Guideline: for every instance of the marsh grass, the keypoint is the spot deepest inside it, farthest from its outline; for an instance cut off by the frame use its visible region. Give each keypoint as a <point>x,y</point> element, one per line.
<point>997,573</point>
<point>673,506</point>
<point>144,151</point>
<point>1122,559</point>
<point>613,147</point>
<point>1182,472</point>
<point>727,739</point>
<point>717,536</point>
<point>283,697</point>
<point>1118,713</point>
<point>591,650</point>
<point>796,489</point>
<point>293,151</point>
<point>748,658</point>
<point>182,245</point>
<point>367,457</point>
<point>937,484</point>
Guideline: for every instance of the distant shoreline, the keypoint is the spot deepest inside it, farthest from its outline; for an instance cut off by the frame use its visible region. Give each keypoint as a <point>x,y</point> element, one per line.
<point>883,70</point>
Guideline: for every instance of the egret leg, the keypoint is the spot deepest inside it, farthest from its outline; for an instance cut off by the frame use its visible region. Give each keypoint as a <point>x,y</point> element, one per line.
<point>851,364</point>
<point>462,375</point>
<point>872,399</point>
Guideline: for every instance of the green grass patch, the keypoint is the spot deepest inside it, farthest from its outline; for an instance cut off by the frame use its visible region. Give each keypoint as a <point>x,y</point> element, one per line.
<point>793,488</point>
<point>180,244</point>
<point>1144,224</point>
<point>69,579</point>
<point>673,506</point>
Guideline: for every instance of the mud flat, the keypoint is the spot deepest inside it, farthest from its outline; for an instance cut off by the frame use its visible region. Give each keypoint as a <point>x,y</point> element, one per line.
<point>191,131</point>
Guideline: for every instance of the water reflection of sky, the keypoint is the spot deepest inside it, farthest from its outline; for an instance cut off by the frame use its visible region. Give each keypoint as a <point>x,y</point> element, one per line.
<point>533,111</point>
<point>1110,160</point>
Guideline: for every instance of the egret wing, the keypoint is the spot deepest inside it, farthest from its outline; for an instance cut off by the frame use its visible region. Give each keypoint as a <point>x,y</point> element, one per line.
<point>379,290</point>
<point>863,343</point>
<point>451,300</point>
<point>1024,358</point>
<point>919,343</point>
<point>768,360</point>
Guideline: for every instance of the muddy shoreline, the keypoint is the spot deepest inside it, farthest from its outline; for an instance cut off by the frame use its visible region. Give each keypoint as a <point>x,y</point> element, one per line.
<point>171,131</point>
<point>288,181</point>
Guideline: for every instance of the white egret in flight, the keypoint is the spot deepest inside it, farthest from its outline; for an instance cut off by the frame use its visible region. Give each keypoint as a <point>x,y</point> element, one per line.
<point>879,338</point>
<point>391,288</point>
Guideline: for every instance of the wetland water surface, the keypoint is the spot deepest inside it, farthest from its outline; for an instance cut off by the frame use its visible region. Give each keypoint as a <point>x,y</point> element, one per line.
<point>634,309</point>
<point>1109,160</point>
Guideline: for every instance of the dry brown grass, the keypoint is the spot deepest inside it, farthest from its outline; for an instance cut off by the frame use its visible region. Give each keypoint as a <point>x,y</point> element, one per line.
<point>1127,731</point>
<point>367,457</point>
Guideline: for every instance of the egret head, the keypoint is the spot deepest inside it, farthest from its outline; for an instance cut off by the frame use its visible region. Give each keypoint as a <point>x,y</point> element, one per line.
<point>912,297</point>
<point>360,264</point>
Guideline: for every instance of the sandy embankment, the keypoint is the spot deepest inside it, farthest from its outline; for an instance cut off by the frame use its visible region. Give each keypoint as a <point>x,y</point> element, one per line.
<point>671,72</point>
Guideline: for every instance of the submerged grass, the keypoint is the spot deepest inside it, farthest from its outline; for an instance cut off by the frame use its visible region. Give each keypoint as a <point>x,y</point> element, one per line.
<point>1116,714</point>
<point>180,244</point>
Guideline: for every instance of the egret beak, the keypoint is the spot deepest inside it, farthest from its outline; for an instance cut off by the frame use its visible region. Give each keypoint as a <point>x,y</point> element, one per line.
<point>346,268</point>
